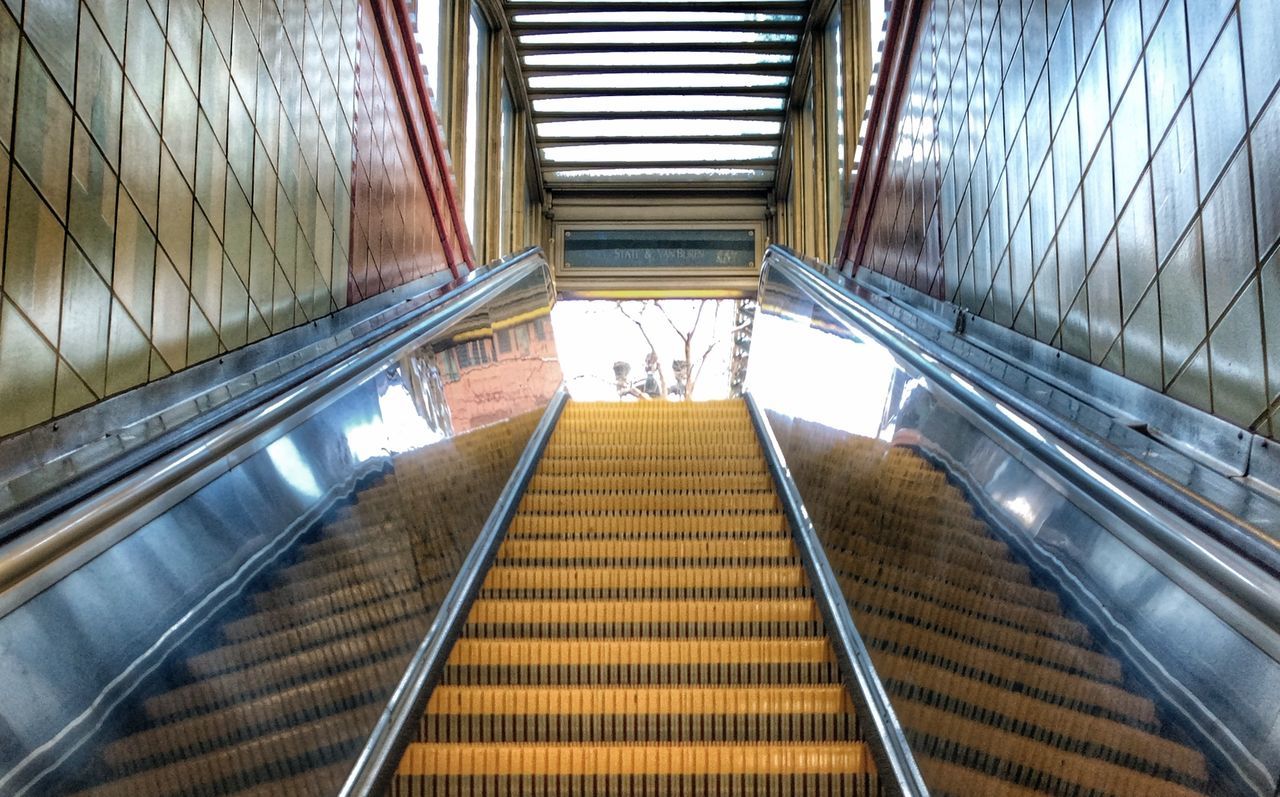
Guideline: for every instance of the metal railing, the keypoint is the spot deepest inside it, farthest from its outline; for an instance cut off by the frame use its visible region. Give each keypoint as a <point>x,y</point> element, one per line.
<point>895,762</point>
<point>70,535</point>
<point>396,726</point>
<point>1243,566</point>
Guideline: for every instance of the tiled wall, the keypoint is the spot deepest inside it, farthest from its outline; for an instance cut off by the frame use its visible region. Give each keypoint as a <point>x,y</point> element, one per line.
<point>177,182</point>
<point>395,237</point>
<point>1102,176</point>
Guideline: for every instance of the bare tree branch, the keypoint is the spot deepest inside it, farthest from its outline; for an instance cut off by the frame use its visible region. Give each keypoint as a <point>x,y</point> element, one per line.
<point>697,319</point>
<point>662,379</point>
<point>662,308</point>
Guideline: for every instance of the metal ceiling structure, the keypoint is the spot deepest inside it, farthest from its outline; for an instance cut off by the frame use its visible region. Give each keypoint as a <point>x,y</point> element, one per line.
<point>658,93</point>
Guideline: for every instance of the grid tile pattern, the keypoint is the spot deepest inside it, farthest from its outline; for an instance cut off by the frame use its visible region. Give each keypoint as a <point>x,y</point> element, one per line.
<point>178,181</point>
<point>394,234</point>
<point>1100,175</point>
<point>172,178</point>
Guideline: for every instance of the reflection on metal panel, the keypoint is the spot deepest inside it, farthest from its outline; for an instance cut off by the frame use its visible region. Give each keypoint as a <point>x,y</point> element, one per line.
<point>251,635</point>
<point>1022,630</point>
<point>673,248</point>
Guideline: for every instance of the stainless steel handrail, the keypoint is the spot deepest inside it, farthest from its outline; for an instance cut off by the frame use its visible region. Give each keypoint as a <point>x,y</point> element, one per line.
<point>1139,496</point>
<point>72,537</point>
<point>381,754</point>
<point>894,760</point>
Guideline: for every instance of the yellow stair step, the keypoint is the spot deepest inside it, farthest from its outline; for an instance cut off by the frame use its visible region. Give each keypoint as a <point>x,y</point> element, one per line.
<point>647,549</point>
<point>575,759</point>
<point>606,652</point>
<point>502,577</point>
<point>673,611</point>
<point>612,700</point>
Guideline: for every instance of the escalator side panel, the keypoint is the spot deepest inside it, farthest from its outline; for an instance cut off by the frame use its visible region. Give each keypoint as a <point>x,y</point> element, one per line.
<point>962,561</point>
<point>252,632</point>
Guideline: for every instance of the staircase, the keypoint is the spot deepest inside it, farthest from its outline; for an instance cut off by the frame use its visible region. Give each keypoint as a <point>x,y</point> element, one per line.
<point>647,628</point>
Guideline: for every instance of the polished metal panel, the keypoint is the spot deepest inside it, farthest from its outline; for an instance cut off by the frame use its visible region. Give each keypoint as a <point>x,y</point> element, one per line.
<point>831,370</point>
<point>896,764</point>
<point>46,552</point>
<point>421,429</point>
<point>39,467</point>
<point>1204,452</point>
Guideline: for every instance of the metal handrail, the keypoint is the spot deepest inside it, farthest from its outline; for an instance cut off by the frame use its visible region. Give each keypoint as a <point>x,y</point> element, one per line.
<point>1139,496</point>
<point>80,532</point>
<point>377,763</point>
<point>895,762</point>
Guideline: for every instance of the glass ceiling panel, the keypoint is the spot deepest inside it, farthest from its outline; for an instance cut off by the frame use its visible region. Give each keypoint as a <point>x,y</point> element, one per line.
<point>656,80</point>
<point>687,102</point>
<point>691,57</point>
<point>588,4</point>
<point>682,173</point>
<point>659,17</point>
<point>605,128</point>
<point>639,153</point>
<point>711,37</point>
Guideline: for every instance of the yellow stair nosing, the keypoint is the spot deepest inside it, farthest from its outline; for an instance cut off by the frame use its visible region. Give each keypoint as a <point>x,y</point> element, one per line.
<point>631,760</point>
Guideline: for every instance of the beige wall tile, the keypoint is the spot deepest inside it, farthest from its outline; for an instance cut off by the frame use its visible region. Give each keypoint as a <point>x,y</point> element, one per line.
<point>86,318</point>
<point>42,138</point>
<point>33,257</point>
<point>27,372</point>
<point>169,322</point>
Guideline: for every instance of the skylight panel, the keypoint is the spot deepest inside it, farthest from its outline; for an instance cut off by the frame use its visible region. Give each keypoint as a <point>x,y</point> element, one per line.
<point>686,102</point>
<point>605,128</point>
<point>658,17</point>
<point>641,152</point>
<point>692,80</point>
<point>675,174</point>
<point>691,57</point>
<point>710,37</point>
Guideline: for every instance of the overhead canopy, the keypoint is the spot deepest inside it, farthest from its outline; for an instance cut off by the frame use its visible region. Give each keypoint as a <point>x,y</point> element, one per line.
<point>658,92</point>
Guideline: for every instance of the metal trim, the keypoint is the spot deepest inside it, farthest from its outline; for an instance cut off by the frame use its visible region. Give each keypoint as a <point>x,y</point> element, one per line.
<point>63,542</point>
<point>381,754</point>
<point>732,6</point>
<point>193,400</point>
<point>769,69</point>
<point>768,139</point>
<point>1245,570</point>
<point>894,758</point>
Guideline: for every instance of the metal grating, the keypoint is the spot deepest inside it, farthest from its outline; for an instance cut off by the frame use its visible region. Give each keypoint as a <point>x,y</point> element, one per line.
<point>657,91</point>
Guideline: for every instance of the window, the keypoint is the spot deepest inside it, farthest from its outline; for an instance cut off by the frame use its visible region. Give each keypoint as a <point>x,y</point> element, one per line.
<point>473,165</point>
<point>426,24</point>
<point>506,127</point>
<point>834,46</point>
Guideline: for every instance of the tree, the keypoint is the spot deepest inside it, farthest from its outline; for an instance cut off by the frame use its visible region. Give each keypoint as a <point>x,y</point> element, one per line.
<point>685,370</point>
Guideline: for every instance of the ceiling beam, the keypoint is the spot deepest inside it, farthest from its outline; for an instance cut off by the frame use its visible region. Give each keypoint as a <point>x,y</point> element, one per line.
<point>693,163</point>
<point>777,92</point>
<point>577,141</point>
<point>632,185</point>
<point>540,48</point>
<point>559,116</point>
<point>717,26</point>
<point>632,6</point>
<point>773,69</point>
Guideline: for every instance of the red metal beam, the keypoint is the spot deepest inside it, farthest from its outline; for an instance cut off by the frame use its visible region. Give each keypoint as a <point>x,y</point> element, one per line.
<point>391,18</point>
<point>902,40</point>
